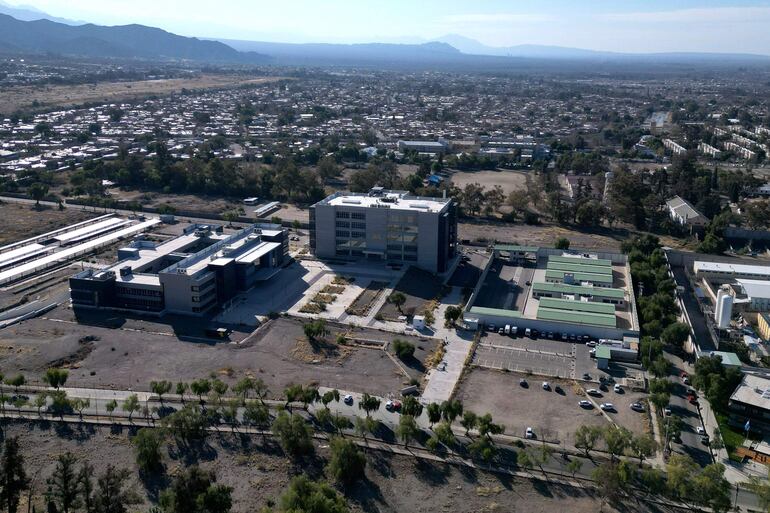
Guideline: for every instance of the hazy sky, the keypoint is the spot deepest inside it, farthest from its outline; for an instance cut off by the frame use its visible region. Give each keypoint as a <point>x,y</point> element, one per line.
<point>619,25</point>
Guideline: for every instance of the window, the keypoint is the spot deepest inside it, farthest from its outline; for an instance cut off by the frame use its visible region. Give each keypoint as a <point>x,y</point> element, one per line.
<point>343,224</point>
<point>343,215</point>
<point>342,233</point>
<point>394,247</point>
<point>196,299</point>
<point>410,249</point>
<point>358,235</point>
<point>358,226</point>
<point>410,258</point>
<point>358,215</point>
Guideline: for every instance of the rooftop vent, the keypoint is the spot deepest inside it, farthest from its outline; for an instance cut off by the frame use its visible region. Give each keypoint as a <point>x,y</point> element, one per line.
<point>125,271</point>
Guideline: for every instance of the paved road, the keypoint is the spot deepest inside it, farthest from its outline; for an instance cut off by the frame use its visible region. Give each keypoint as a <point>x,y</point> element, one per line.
<point>699,324</point>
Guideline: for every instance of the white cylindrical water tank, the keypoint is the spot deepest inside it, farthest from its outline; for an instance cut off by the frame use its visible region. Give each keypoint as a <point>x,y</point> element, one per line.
<point>718,306</point>
<point>725,311</point>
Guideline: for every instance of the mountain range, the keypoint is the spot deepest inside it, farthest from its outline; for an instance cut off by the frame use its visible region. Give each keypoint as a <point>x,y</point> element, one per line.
<point>125,41</point>
<point>26,30</point>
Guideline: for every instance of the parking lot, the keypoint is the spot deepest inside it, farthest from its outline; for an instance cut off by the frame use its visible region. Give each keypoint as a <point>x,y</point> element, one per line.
<point>555,414</point>
<point>535,356</point>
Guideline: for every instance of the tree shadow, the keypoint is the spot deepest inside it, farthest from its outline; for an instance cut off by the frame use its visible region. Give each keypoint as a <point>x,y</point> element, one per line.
<point>380,463</point>
<point>192,452</point>
<point>366,494</point>
<point>542,487</point>
<point>433,474</point>
<point>155,482</point>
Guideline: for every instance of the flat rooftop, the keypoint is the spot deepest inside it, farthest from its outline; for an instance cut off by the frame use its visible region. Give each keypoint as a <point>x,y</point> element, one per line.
<point>753,390</point>
<point>725,268</point>
<point>394,200</point>
<point>147,256</point>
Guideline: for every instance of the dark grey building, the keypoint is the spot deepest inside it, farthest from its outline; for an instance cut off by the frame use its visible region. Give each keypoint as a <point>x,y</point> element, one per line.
<point>190,275</point>
<point>385,226</point>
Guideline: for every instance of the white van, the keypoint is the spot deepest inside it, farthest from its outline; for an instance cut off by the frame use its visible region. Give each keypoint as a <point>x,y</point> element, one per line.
<point>527,332</point>
<point>514,331</point>
<point>507,329</point>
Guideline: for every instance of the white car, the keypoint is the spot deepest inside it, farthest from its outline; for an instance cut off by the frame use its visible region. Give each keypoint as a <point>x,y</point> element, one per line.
<point>348,399</point>
<point>594,392</point>
<point>618,389</point>
<point>637,406</point>
<point>666,411</point>
<point>546,385</point>
<point>607,407</point>
<point>529,433</point>
<point>591,343</point>
<point>585,404</point>
<point>700,430</point>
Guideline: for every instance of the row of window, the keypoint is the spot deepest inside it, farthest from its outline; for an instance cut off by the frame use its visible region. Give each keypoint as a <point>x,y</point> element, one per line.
<point>350,215</point>
<point>341,234</point>
<point>130,291</point>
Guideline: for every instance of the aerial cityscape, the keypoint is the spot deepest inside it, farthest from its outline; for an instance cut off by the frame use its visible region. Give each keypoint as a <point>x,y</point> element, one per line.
<point>330,257</point>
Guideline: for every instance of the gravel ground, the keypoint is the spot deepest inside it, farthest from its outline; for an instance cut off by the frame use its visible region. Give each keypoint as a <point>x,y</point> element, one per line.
<point>258,472</point>
<point>130,358</point>
<point>553,416</point>
<point>22,221</point>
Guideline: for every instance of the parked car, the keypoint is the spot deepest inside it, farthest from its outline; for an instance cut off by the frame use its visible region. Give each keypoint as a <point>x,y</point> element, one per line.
<point>529,433</point>
<point>637,407</point>
<point>667,411</point>
<point>617,388</point>
<point>591,344</point>
<point>523,383</point>
<point>348,399</point>
<point>546,385</point>
<point>700,430</point>
<point>587,376</point>
<point>607,406</point>
<point>686,380</point>
<point>594,392</point>
<point>585,404</point>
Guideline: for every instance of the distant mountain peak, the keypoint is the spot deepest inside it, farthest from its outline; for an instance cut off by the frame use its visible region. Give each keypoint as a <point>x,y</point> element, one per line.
<point>30,13</point>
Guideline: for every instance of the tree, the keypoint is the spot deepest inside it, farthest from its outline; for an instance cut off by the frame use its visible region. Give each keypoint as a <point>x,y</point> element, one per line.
<point>369,403</point>
<point>681,470</point>
<point>347,463</point>
<point>306,496</point>
<point>181,389</point>
<point>159,388</point>
<point>55,377</point>
<point>230,216</point>
<point>616,439</point>
<point>450,410</point>
<point>483,448</point>
<point>86,487</point>
<point>445,435</point>
<point>487,428</point>
<point>63,486</point>
<point>711,489</point>
<point>366,425</point>
<point>17,381</point>
<point>110,407</point>
<point>586,438</point>
<point>256,414</point>
<point>81,404</point>
<point>186,424</point>
<point>147,446</point>
<point>612,479</point>
<point>329,396</point>
<point>111,494</point>
<point>675,334</point>
<point>574,466</point>
<point>468,421</point>
<point>451,314</point>
<point>642,446</point>
<point>13,477</point>
<point>131,405</point>
<point>294,434</point>
<point>411,406</point>
<point>397,299</point>
<point>200,387</point>
<point>562,243</point>
<point>195,491</point>
<point>434,413</point>
<point>403,349</point>
<point>38,191</point>
<point>41,399</point>
<point>243,387</point>
<point>315,329</point>
<point>292,393</point>
<point>407,429</point>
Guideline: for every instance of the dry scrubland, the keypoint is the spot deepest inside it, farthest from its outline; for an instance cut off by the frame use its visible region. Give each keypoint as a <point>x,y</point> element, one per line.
<point>21,221</point>
<point>48,96</point>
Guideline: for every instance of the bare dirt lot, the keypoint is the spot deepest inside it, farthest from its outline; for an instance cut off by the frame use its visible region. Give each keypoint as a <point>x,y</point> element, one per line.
<point>130,356</point>
<point>420,287</point>
<point>544,235</point>
<point>258,472</point>
<point>508,180</point>
<point>47,96</point>
<point>554,416</point>
<point>21,221</point>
